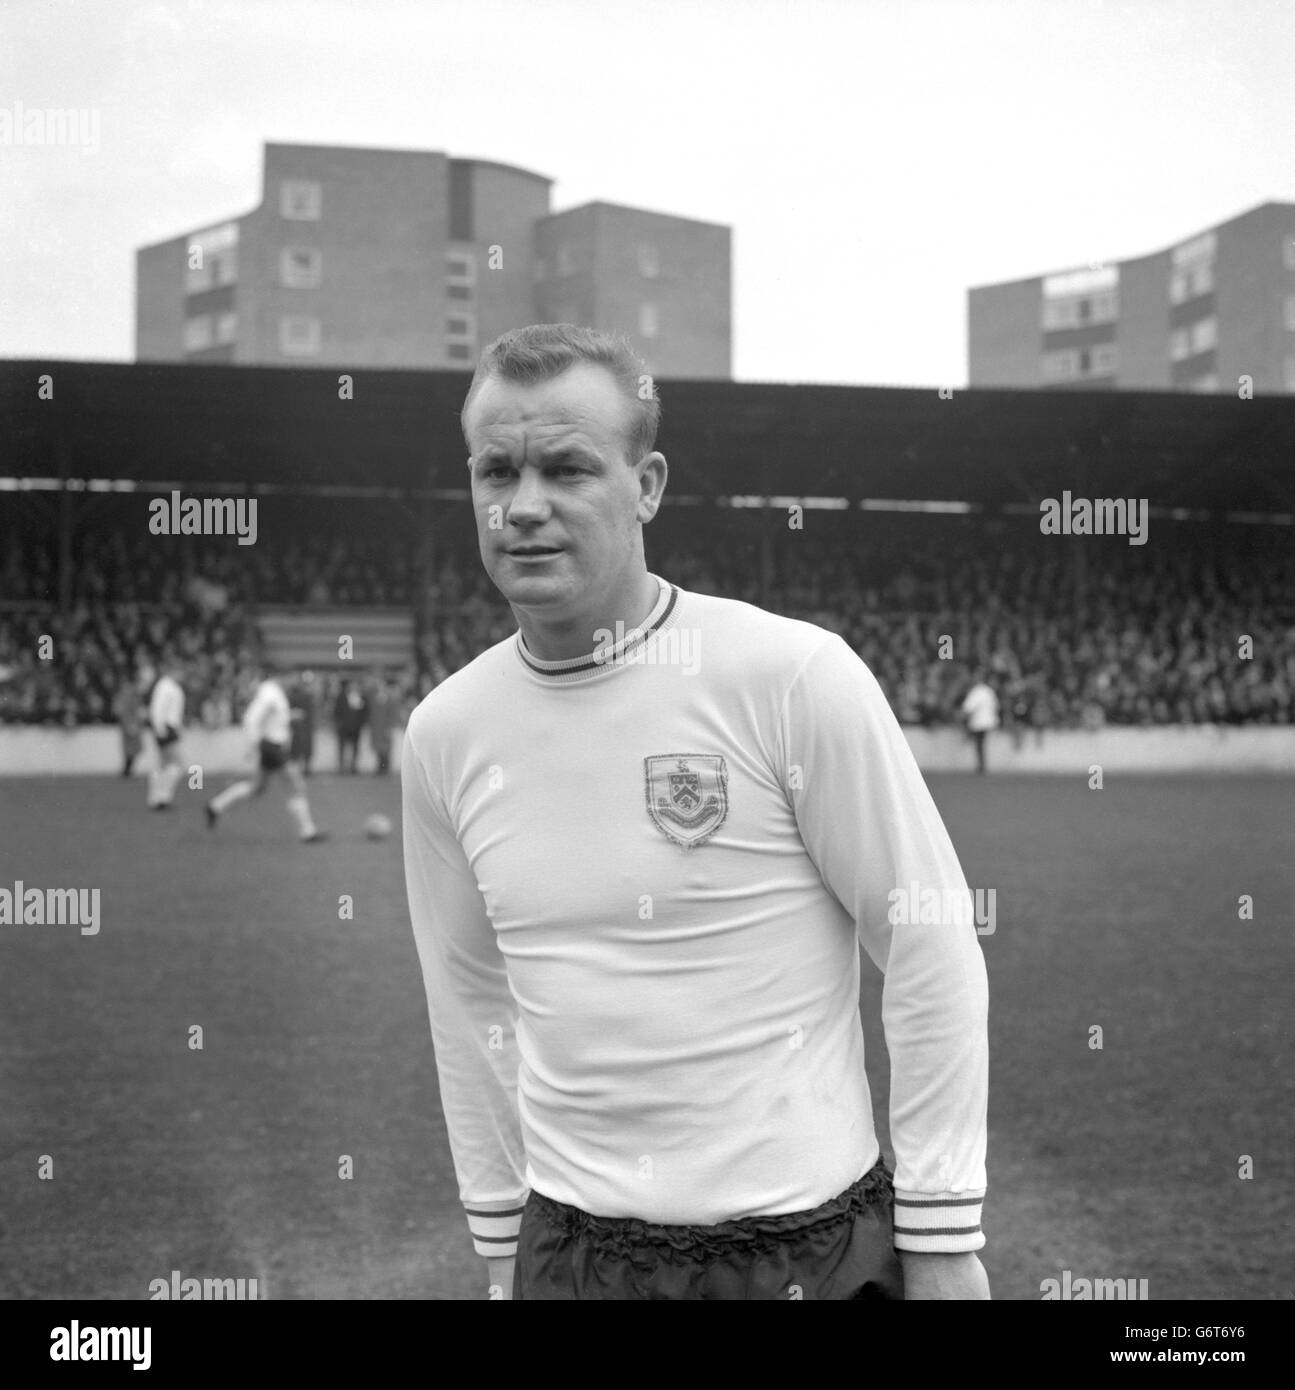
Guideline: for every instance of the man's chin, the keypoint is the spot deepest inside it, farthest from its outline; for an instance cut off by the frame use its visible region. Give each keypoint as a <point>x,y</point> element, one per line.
<point>532,590</point>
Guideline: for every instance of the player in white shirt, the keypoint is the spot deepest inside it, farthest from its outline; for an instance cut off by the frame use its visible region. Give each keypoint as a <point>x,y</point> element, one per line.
<point>267,723</point>
<point>979,709</point>
<point>644,838</point>
<point>166,722</point>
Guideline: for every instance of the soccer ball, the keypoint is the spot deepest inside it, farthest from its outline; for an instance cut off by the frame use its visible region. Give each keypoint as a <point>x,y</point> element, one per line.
<point>377,827</point>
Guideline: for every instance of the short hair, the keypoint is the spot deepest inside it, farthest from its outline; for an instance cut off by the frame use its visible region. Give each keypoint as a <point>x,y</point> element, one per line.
<point>546,350</point>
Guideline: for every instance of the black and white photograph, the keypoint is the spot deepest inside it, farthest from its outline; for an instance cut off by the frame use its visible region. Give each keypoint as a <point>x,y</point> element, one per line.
<point>647,653</point>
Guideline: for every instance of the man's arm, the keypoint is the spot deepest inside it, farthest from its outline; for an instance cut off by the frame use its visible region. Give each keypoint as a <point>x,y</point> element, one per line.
<point>872,829</point>
<point>473,1019</point>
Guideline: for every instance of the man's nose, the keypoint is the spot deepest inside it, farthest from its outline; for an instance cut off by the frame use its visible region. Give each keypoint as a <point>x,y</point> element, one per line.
<point>530,502</point>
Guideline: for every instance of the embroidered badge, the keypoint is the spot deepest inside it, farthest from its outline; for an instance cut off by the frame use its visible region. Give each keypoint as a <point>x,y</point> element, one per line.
<point>687,795</point>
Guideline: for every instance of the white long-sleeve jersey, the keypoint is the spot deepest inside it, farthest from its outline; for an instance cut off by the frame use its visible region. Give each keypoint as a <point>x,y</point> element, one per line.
<point>166,705</point>
<point>268,716</point>
<point>637,885</point>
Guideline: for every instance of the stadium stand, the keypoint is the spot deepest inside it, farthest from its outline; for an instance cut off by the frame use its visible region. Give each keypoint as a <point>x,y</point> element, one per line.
<point>1075,632</point>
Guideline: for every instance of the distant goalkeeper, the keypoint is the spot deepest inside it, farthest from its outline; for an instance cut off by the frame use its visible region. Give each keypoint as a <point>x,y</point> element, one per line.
<point>268,726</point>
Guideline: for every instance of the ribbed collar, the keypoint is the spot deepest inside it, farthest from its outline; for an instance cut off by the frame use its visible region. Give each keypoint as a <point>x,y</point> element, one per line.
<point>605,659</point>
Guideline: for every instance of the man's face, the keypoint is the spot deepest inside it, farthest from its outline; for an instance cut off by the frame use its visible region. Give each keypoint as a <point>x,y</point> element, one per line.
<point>556,499</point>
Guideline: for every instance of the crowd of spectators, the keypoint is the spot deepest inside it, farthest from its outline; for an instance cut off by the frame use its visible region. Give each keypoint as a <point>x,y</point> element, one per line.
<point>1071,631</point>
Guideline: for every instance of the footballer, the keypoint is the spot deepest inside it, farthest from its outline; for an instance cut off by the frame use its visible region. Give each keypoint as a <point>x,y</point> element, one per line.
<point>638,889</point>
<point>267,724</point>
<point>165,722</point>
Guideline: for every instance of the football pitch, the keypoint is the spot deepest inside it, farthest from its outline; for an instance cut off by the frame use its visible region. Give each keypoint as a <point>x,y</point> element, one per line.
<point>1115,910</point>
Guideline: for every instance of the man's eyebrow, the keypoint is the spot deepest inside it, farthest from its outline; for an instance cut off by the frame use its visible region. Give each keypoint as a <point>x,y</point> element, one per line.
<point>568,448</point>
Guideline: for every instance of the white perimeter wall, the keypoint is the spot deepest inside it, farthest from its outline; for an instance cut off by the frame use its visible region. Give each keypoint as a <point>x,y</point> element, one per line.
<point>35,751</point>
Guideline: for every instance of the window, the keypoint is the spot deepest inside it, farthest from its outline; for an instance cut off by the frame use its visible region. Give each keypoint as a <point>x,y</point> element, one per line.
<point>1105,359</point>
<point>647,320</point>
<point>460,269</point>
<point>1191,280</point>
<point>201,276</point>
<point>1106,308</point>
<point>649,265</point>
<point>299,336</point>
<point>1205,334</point>
<point>460,336</point>
<point>1060,366</point>
<point>300,200</point>
<point>1071,283</point>
<point>1289,365</point>
<point>211,258</point>
<point>1180,345</point>
<point>226,327</point>
<point>1060,313</point>
<point>1290,312</point>
<point>300,267</point>
<point>458,291</point>
<point>197,333</point>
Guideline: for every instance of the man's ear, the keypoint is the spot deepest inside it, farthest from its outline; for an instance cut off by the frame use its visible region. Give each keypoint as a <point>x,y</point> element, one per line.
<point>652,474</point>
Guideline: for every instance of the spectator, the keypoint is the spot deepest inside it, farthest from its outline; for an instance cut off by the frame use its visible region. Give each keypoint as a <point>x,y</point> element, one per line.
<point>350,713</point>
<point>302,701</point>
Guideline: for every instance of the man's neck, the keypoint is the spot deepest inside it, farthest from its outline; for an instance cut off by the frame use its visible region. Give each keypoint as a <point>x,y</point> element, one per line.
<point>569,638</point>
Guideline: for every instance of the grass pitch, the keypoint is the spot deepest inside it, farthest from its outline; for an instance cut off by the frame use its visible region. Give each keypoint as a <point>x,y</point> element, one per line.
<point>1115,909</point>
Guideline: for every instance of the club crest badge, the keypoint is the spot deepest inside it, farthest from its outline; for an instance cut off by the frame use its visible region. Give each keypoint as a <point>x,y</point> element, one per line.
<point>687,795</point>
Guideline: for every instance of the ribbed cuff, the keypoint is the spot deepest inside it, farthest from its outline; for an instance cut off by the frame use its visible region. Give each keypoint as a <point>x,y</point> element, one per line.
<point>494,1226</point>
<point>938,1223</point>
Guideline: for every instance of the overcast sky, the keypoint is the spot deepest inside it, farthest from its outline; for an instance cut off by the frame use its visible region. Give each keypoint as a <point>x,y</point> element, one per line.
<point>874,159</point>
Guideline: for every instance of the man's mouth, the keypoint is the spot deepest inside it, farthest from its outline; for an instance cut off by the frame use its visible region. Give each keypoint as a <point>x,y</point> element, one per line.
<point>535,550</point>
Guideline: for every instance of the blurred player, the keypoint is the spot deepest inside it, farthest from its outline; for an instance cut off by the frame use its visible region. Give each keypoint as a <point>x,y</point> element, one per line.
<point>980,711</point>
<point>166,722</point>
<point>126,707</point>
<point>644,838</point>
<point>268,726</point>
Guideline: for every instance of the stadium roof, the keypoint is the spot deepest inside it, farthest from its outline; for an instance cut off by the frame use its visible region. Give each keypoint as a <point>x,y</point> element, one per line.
<point>206,425</point>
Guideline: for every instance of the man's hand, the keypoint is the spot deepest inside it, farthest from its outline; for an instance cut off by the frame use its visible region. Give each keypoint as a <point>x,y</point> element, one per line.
<point>500,1273</point>
<point>943,1276</point>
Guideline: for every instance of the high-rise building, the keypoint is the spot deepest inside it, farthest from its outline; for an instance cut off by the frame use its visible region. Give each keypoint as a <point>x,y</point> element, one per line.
<point>1203,315</point>
<point>662,281</point>
<point>394,258</point>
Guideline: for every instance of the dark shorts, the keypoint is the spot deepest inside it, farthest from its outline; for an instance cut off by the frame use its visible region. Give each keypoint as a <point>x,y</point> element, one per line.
<point>841,1250</point>
<point>166,737</point>
<point>273,755</point>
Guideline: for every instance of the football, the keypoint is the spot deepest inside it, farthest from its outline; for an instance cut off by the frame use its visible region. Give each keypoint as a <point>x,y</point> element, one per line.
<point>378,826</point>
